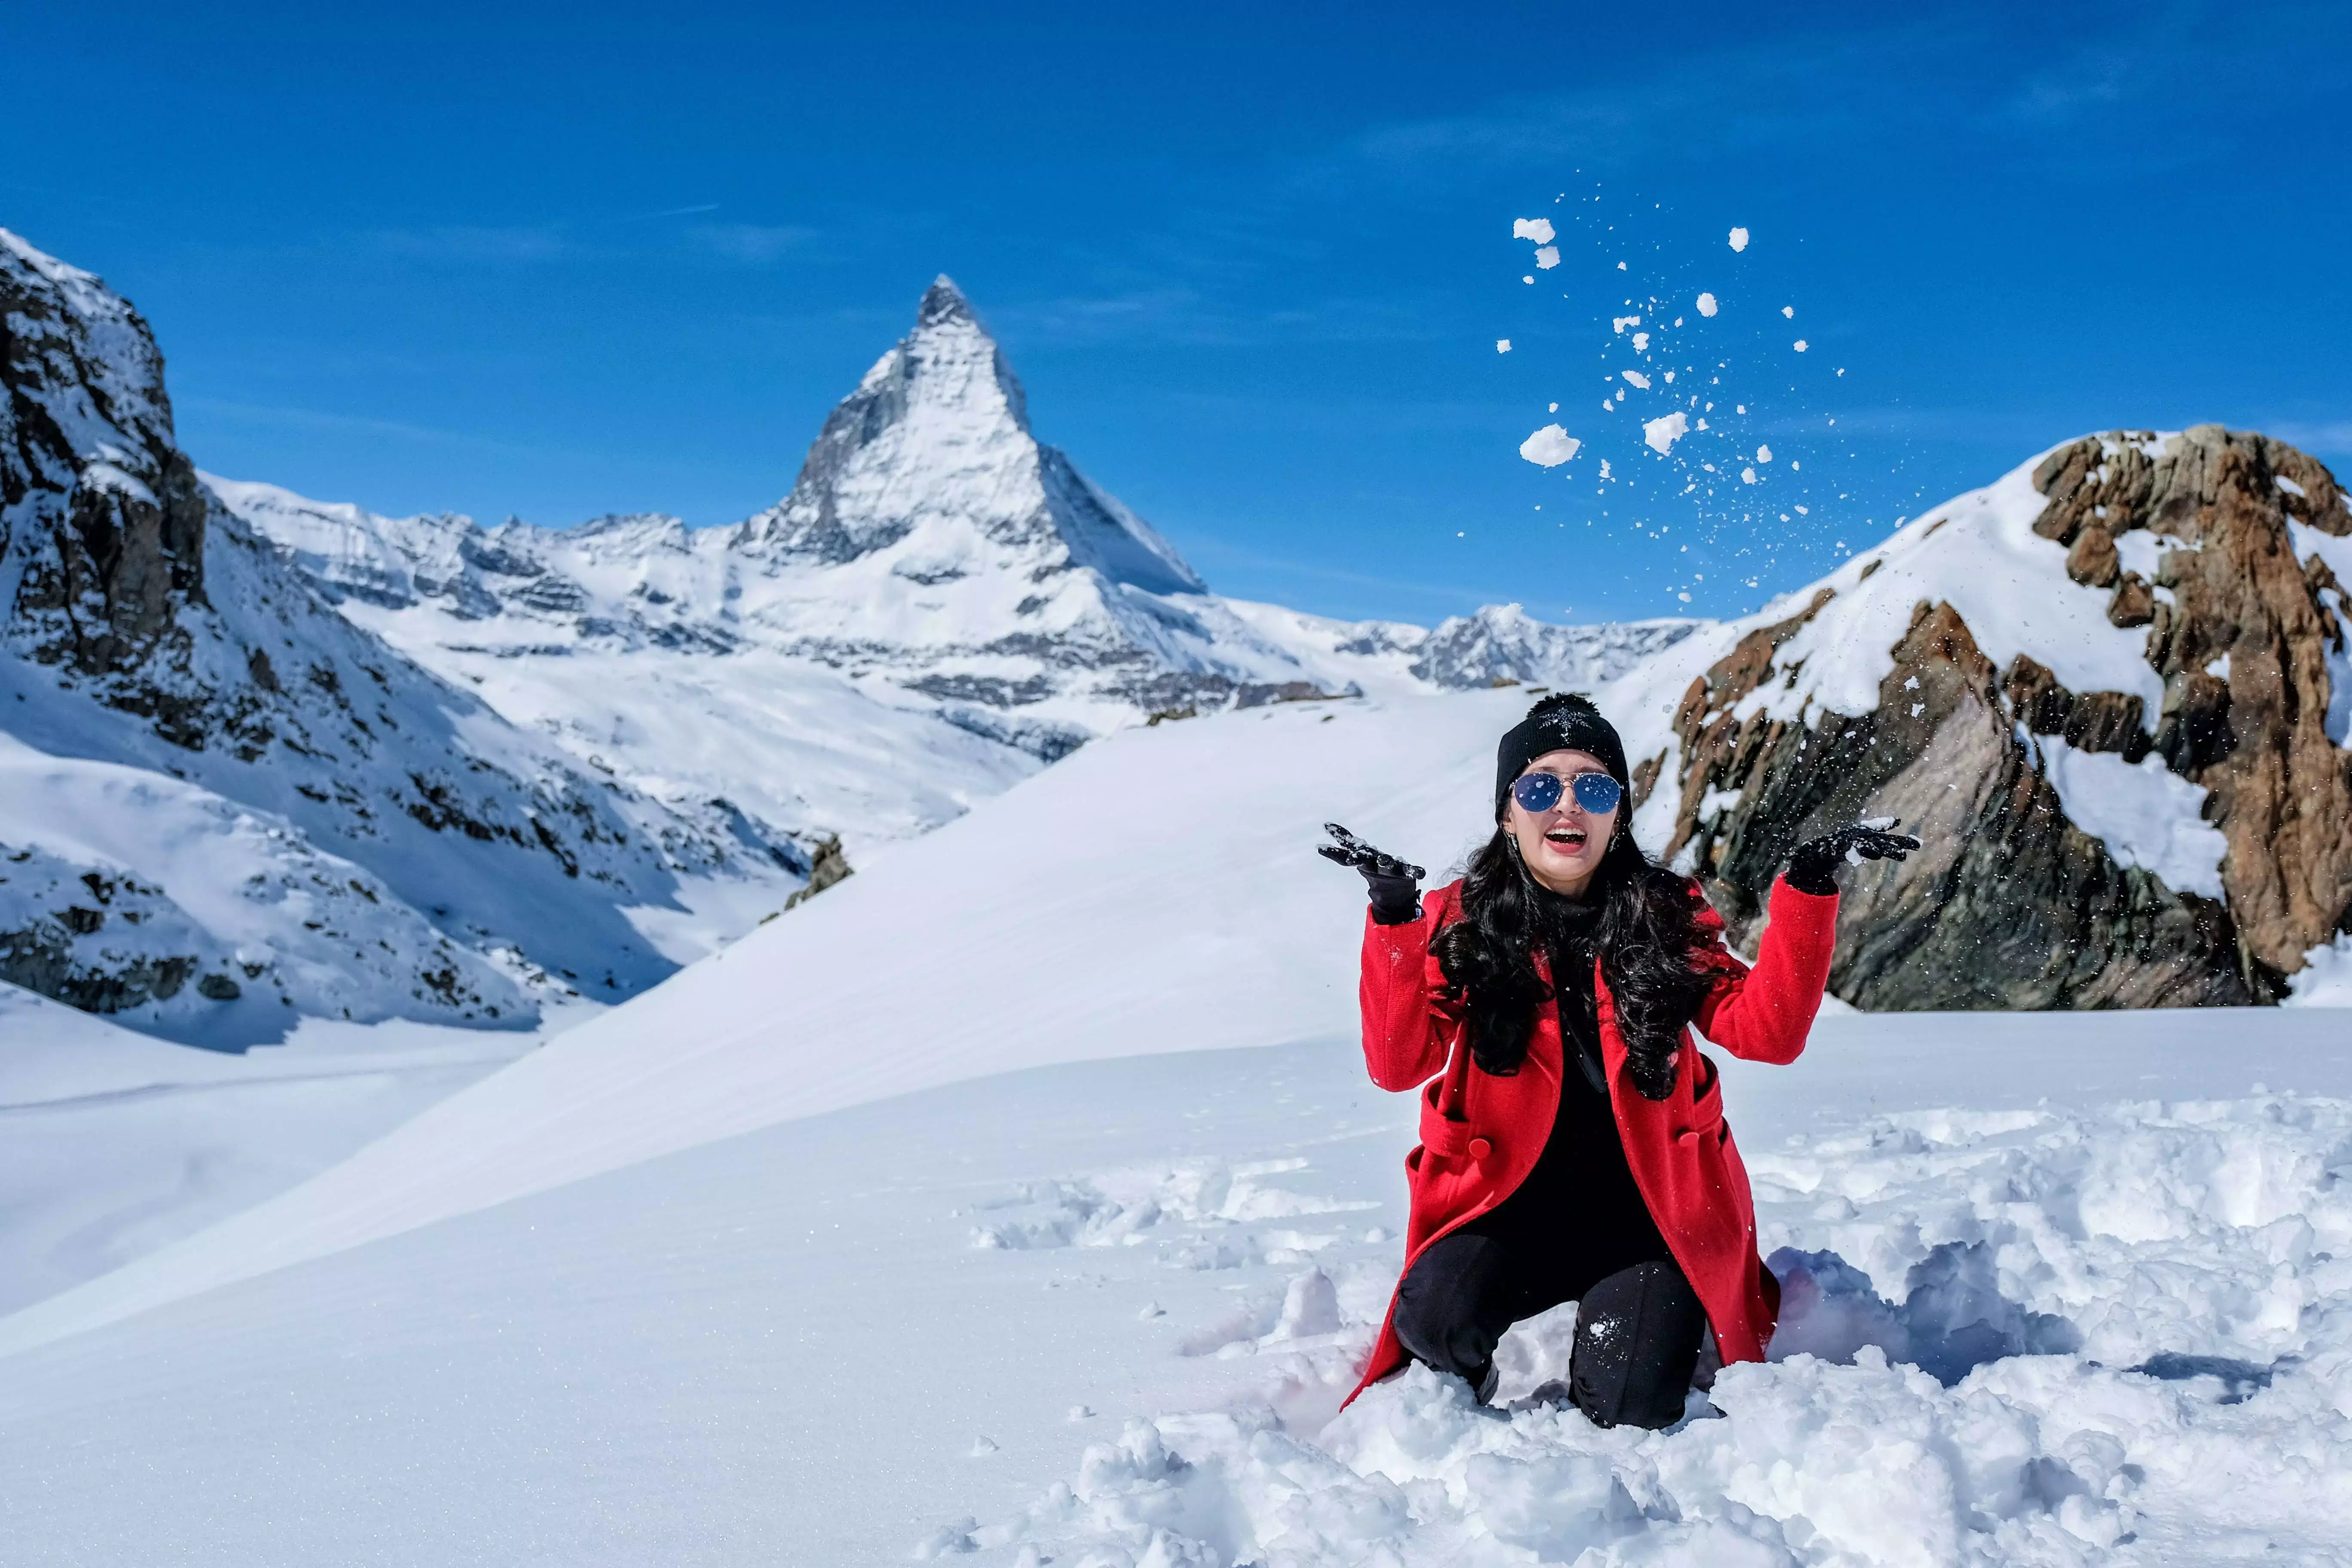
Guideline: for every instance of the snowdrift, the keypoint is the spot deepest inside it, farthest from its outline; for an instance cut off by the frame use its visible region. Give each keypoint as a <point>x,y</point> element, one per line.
<point>1158,891</point>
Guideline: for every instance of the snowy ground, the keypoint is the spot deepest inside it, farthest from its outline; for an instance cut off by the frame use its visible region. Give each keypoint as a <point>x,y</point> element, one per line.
<point>1020,1302</point>
<point>1023,1198</point>
<point>113,1143</point>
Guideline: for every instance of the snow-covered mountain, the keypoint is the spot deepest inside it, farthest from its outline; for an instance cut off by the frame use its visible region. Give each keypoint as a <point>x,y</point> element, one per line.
<point>317,823</point>
<point>941,604</point>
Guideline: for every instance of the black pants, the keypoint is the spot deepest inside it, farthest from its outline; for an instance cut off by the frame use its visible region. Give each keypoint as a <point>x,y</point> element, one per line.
<point>1638,1327</point>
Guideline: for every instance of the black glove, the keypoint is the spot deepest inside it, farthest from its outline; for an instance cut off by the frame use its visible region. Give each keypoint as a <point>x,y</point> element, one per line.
<point>1812,865</point>
<point>1395,885</point>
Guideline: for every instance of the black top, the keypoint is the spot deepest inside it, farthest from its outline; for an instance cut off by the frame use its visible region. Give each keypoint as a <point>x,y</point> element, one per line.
<point>1581,1193</point>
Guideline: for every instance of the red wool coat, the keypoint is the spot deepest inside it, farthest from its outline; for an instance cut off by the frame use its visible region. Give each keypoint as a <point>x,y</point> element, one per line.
<point>1480,1135</point>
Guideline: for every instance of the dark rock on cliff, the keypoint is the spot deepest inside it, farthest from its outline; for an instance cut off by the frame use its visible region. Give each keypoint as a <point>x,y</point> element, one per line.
<point>2011,904</point>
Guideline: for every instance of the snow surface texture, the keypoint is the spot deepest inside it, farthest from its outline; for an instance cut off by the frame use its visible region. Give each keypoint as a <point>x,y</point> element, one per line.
<point>2014,1337</point>
<point>810,1343</point>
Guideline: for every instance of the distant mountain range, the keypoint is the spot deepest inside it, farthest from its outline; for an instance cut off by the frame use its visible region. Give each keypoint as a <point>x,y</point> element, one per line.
<point>537,759</point>
<point>264,757</point>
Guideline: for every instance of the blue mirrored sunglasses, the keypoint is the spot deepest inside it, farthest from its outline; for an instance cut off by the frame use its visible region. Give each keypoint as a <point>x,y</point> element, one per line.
<point>1597,792</point>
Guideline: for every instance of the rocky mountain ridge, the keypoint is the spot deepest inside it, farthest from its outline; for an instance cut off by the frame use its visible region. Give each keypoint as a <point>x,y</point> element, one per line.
<point>144,626</point>
<point>2111,690</point>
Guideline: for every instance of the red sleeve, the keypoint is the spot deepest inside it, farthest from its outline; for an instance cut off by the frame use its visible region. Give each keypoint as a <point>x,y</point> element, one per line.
<point>1764,1014</point>
<point>1403,1013</point>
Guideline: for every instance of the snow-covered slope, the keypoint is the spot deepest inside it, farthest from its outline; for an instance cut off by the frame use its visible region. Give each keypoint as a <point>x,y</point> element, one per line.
<point>143,625</point>
<point>1156,890</point>
<point>785,1257</point>
<point>117,1143</point>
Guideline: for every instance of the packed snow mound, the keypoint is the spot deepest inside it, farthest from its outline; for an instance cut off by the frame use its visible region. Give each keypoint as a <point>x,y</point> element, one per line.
<point>2112,1327</point>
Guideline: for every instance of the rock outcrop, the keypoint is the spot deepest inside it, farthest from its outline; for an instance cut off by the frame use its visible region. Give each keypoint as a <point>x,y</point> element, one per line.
<point>2184,841</point>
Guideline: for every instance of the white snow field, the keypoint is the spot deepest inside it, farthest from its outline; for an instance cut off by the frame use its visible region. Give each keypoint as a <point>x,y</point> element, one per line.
<point>113,1143</point>
<point>1022,1200</point>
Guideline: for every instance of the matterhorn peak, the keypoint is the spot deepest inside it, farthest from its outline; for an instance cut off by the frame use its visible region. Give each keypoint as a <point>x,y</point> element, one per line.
<point>943,301</point>
<point>931,456</point>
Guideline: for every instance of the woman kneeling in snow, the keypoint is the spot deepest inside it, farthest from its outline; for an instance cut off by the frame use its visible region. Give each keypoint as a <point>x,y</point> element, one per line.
<point>1573,1143</point>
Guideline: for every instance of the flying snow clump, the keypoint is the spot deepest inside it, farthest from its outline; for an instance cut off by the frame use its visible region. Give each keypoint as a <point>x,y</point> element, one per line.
<point>1635,378</point>
<point>1661,434</point>
<point>1549,447</point>
<point>1536,228</point>
<point>1502,345</point>
<point>1739,239</point>
<point>1547,256</point>
<point>1763,454</point>
<point>1801,345</point>
<point>1706,304</point>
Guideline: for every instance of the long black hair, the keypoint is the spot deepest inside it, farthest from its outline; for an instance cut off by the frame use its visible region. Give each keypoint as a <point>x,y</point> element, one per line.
<point>1647,936</point>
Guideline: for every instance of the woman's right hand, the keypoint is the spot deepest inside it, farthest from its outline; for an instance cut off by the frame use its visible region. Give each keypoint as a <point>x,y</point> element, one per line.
<point>1394,884</point>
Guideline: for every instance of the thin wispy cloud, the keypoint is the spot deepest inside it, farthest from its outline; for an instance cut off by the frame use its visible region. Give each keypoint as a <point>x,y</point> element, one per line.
<point>477,243</point>
<point>754,244</point>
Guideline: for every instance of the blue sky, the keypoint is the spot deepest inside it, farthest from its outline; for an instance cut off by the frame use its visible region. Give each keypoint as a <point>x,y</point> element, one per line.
<point>1250,262</point>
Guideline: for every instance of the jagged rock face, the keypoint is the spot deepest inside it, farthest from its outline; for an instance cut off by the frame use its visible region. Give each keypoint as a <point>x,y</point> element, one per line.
<point>100,515</point>
<point>2241,629</point>
<point>1500,644</point>
<point>2029,894</point>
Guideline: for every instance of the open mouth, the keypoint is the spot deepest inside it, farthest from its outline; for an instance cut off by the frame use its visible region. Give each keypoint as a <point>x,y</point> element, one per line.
<point>1568,838</point>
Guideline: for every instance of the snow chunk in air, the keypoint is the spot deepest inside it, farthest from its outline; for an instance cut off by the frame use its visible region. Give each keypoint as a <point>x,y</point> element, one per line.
<point>1739,239</point>
<point>1549,447</point>
<point>1536,228</point>
<point>1636,378</point>
<point>1661,434</point>
<point>1547,258</point>
<point>1502,345</point>
<point>1706,304</point>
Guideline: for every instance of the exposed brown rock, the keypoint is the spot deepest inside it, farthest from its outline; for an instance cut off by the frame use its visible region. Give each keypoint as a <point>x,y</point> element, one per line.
<point>2010,905</point>
<point>2254,736</point>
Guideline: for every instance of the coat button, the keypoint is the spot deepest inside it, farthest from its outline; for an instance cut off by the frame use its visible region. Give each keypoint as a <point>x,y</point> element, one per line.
<point>1480,1148</point>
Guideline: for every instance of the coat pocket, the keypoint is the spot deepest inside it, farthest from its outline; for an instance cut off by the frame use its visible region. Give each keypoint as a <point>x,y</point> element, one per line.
<point>1441,1134</point>
<point>1706,1112</point>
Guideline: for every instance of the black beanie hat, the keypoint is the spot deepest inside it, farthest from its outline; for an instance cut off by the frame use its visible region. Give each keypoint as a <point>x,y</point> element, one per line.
<point>1567,721</point>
